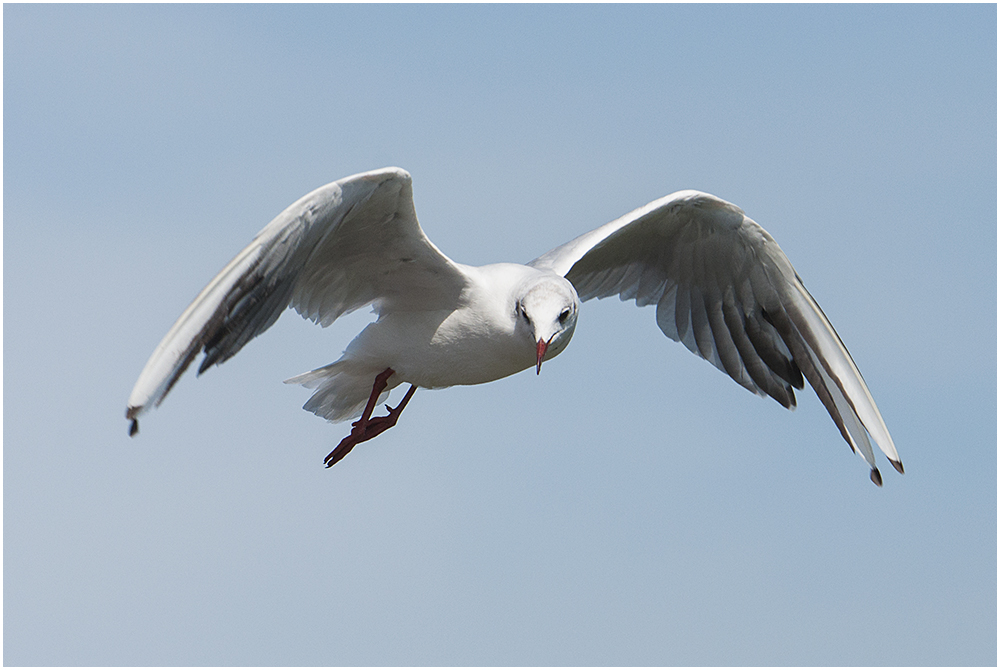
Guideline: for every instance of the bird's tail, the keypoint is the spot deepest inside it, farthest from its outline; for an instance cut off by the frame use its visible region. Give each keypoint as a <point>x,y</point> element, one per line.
<point>342,389</point>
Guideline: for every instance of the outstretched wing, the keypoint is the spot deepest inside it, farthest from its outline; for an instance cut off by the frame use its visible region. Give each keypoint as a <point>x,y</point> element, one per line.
<point>723,287</point>
<point>348,244</point>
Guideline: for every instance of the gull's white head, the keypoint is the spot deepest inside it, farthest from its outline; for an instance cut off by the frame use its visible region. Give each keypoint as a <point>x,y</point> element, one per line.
<point>546,311</point>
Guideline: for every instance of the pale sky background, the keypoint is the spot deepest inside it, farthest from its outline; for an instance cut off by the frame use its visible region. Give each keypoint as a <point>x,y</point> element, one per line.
<point>630,506</point>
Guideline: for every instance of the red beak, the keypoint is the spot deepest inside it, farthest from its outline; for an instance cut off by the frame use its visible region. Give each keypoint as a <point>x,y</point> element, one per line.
<point>542,346</point>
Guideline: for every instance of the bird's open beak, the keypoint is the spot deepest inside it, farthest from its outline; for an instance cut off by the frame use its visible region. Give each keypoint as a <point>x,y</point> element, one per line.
<point>542,346</point>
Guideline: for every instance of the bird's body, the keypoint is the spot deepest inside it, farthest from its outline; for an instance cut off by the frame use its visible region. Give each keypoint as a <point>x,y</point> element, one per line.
<point>474,342</point>
<point>721,285</point>
<point>478,342</point>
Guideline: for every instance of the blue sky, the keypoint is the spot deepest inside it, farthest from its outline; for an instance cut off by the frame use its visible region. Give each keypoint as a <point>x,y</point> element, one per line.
<point>629,506</point>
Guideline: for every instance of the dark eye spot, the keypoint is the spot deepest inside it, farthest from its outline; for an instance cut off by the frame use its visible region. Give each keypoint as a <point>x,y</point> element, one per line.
<point>564,315</point>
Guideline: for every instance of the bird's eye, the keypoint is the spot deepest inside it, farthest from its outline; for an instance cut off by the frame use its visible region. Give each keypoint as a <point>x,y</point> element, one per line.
<point>564,315</point>
<point>521,311</point>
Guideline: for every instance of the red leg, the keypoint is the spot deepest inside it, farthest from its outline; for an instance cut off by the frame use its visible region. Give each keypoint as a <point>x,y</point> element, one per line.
<point>379,424</point>
<point>368,427</point>
<point>381,381</point>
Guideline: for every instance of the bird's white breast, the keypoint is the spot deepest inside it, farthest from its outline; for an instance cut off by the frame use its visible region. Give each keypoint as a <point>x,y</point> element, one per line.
<point>472,344</point>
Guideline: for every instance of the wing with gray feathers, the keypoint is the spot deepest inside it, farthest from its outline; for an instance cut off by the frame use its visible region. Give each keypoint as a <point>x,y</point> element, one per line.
<point>346,245</point>
<point>723,287</point>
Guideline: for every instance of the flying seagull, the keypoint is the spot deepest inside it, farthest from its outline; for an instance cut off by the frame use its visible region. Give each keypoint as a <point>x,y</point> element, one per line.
<point>720,283</point>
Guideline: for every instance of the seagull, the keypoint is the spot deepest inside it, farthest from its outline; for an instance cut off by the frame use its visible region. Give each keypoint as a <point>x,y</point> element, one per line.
<point>720,283</point>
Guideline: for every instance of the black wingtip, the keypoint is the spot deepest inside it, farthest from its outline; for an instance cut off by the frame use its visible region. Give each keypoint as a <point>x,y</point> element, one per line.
<point>133,429</point>
<point>898,465</point>
<point>876,477</point>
